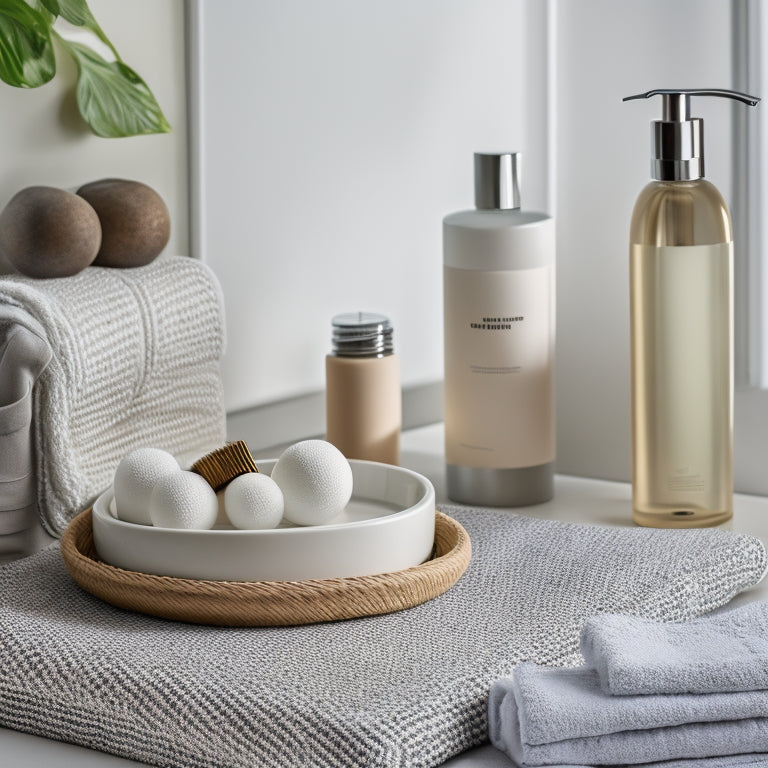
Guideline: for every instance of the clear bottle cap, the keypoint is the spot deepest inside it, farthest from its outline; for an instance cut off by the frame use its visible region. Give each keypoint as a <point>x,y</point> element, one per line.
<point>361,334</point>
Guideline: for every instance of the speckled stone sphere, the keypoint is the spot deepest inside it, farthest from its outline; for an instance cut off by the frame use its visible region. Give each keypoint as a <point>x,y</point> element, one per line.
<point>183,500</point>
<point>135,477</point>
<point>135,223</point>
<point>316,480</point>
<point>49,232</point>
<point>254,502</point>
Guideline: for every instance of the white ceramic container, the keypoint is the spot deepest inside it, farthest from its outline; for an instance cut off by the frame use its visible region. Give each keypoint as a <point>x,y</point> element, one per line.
<point>388,525</point>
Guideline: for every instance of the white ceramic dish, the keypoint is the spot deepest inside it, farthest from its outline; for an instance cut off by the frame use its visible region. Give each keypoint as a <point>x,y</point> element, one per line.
<point>388,525</point>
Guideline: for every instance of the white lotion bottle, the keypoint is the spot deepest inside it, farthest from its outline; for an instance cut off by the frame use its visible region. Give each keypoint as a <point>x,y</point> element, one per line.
<point>499,336</point>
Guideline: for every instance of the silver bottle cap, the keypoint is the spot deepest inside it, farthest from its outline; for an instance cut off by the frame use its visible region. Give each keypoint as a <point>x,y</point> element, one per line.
<point>496,180</point>
<point>677,140</point>
<point>361,334</point>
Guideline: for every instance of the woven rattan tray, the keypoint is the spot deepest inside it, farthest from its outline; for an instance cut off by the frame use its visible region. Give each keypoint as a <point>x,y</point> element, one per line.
<point>266,603</point>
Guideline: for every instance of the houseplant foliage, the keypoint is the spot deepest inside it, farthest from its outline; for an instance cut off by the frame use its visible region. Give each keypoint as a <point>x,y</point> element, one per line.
<point>111,97</point>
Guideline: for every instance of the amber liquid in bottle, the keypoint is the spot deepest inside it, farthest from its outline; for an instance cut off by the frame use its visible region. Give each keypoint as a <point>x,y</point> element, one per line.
<point>681,276</point>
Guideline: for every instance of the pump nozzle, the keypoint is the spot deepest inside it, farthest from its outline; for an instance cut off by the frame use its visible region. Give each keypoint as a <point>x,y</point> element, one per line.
<point>677,139</point>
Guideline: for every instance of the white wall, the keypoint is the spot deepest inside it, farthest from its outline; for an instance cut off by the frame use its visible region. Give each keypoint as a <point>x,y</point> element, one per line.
<point>45,142</point>
<point>335,136</point>
<point>608,49</point>
<point>345,134</point>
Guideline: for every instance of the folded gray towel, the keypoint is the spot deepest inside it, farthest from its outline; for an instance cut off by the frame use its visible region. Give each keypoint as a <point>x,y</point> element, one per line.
<point>542,716</point>
<point>730,761</point>
<point>727,652</point>
<point>133,359</point>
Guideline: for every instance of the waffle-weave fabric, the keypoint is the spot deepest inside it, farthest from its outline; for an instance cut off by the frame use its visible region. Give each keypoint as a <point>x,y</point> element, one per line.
<point>406,689</point>
<point>136,362</point>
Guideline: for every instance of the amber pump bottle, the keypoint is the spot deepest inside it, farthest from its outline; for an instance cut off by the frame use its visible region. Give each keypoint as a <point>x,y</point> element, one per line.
<point>363,395</point>
<point>681,298</point>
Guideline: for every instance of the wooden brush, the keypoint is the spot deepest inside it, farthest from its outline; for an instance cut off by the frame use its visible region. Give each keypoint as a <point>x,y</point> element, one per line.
<point>223,465</point>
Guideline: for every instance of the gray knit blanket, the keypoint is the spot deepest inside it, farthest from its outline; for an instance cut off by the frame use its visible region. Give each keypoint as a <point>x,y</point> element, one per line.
<point>407,689</point>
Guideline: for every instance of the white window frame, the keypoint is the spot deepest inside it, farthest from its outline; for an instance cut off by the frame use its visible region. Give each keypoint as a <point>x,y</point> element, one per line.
<point>750,197</point>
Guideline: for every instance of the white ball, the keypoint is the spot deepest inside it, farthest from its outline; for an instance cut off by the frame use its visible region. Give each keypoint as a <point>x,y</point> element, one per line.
<point>183,500</point>
<point>135,477</point>
<point>316,481</point>
<point>254,501</point>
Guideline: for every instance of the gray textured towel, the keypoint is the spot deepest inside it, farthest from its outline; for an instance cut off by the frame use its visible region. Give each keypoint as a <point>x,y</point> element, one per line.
<point>546,716</point>
<point>135,362</point>
<point>727,652</point>
<point>407,689</point>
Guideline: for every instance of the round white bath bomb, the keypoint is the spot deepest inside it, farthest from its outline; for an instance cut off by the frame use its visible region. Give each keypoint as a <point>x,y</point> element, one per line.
<point>254,502</point>
<point>316,481</point>
<point>135,477</point>
<point>183,500</point>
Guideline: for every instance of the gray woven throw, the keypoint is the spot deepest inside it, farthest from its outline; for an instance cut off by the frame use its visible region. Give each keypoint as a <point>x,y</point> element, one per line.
<point>405,689</point>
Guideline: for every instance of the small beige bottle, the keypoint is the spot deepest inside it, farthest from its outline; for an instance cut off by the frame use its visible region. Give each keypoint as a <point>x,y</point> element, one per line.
<point>363,396</point>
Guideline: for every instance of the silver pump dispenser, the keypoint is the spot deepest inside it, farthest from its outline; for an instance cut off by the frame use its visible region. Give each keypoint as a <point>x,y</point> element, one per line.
<point>496,180</point>
<point>677,140</point>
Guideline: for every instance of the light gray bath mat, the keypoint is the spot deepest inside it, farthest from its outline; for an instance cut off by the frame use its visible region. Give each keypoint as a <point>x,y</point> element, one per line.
<point>406,689</point>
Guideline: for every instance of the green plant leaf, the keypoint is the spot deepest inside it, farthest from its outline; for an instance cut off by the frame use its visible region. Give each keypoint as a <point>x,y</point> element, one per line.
<point>42,7</point>
<point>78,13</point>
<point>112,98</point>
<point>26,53</point>
<point>52,6</point>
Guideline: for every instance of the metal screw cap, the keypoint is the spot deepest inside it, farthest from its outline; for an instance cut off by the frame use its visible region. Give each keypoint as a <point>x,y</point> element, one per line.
<point>496,180</point>
<point>361,334</point>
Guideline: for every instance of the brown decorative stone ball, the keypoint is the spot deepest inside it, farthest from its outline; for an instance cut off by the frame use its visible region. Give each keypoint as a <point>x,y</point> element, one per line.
<point>49,232</point>
<point>135,223</point>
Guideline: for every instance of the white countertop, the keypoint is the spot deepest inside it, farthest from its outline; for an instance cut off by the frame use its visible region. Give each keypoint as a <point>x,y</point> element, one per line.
<point>576,500</point>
